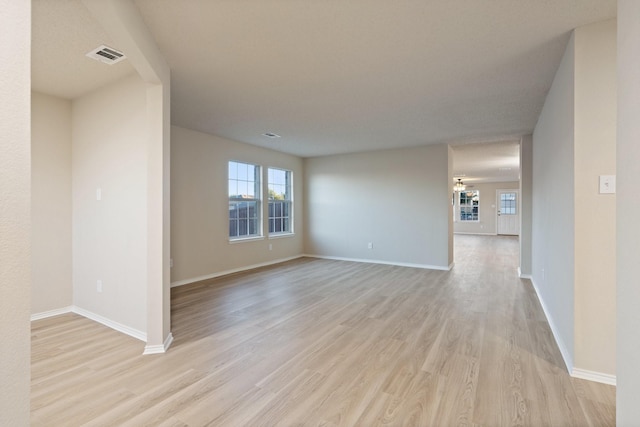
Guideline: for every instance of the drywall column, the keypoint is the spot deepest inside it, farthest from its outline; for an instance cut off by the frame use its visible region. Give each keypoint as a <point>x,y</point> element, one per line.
<point>628,232</point>
<point>595,214</point>
<point>122,21</point>
<point>158,205</point>
<point>449,191</point>
<point>526,192</point>
<point>15,223</point>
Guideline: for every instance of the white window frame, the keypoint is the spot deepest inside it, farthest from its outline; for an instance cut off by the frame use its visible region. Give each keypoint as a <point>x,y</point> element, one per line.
<point>237,198</point>
<point>286,191</point>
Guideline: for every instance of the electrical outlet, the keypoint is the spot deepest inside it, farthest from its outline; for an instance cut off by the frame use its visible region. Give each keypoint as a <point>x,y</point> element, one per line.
<point>170,262</point>
<point>370,245</point>
<point>99,286</point>
<point>270,246</point>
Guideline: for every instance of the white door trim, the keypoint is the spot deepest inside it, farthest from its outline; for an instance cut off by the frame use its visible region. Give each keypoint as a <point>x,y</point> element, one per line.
<point>497,215</point>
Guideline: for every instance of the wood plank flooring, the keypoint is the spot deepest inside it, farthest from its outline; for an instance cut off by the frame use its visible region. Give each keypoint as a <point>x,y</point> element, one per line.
<point>327,343</point>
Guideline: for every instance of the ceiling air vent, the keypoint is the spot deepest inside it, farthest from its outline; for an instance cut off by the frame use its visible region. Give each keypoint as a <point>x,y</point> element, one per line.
<point>106,54</point>
<point>271,135</point>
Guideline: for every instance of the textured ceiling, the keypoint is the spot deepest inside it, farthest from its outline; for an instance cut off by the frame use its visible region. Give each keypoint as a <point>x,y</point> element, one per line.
<point>338,76</point>
<point>334,76</point>
<point>62,34</point>
<point>487,162</point>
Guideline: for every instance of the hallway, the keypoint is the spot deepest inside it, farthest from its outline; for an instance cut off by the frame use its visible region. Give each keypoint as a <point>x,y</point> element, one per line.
<point>476,250</point>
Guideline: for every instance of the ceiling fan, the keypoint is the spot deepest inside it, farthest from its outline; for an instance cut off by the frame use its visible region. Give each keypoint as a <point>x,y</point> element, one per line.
<point>459,186</point>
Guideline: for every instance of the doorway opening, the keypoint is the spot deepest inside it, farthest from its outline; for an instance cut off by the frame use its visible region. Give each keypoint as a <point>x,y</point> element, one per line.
<point>508,213</point>
<point>485,188</point>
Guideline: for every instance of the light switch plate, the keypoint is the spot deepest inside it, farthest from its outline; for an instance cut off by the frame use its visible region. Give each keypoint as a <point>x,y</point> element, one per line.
<point>607,184</point>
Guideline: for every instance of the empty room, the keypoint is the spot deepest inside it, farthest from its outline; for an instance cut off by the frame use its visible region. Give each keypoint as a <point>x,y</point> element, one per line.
<point>319,213</point>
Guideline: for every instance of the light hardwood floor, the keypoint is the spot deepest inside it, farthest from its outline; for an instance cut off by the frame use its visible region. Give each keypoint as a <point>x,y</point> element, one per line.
<point>327,343</point>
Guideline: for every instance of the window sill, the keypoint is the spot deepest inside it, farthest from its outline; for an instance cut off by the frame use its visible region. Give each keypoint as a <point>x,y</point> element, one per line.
<point>246,239</point>
<point>281,235</point>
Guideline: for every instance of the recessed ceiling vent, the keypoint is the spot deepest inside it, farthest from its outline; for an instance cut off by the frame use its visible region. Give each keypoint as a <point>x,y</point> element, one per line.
<point>106,54</point>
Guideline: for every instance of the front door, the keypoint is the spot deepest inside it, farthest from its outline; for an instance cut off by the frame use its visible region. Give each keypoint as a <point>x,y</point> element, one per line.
<point>508,212</point>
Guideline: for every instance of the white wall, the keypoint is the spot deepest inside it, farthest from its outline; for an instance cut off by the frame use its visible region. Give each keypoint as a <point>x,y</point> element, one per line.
<point>200,244</point>
<point>487,209</point>
<point>399,200</point>
<point>15,224</point>
<point>109,152</point>
<point>595,214</point>
<point>628,232</point>
<point>50,203</point>
<point>526,184</point>
<point>553,205</point>
<point>450,209</point>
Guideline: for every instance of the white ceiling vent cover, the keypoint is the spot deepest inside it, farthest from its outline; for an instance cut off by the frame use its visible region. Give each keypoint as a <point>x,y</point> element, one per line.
<point>106,54</point>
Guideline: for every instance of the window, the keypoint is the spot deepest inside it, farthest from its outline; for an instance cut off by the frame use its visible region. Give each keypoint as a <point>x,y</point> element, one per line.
<point>279,201</point>
<point>244,200</point>
<point>508,203</point>
<point>469,205</point>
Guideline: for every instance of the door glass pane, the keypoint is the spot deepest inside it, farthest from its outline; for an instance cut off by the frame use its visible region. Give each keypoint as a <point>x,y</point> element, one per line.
<point>508,203</point>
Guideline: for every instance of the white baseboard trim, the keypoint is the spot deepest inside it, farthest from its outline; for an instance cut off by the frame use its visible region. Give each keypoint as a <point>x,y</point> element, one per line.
<point>159,349</point>
<point>561,345</point>
<point>51,313</point>
<point>598,377</point>
<point>149,349</point>
<point>475,234</point>
<point>373,261</point>
<point>232,271</point>
<point>142,336</point>
<point>525,276</point>
<point>92,316</point>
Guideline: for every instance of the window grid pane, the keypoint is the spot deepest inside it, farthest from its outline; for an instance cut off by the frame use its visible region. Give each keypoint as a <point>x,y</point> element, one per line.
<point>279,186</point>
<point>469,205</point>
<point>508,204</point>
<point>244,200</point>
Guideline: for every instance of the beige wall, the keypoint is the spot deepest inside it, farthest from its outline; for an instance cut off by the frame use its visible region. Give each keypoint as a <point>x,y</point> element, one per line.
<point>487,209</point>
<point>200,244</point>
<point>15,224</point>
<point>50,203</point>
<point>595,214</point>
<point>109,152</point>
<point>628,231</point>
<point>399,200</point>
